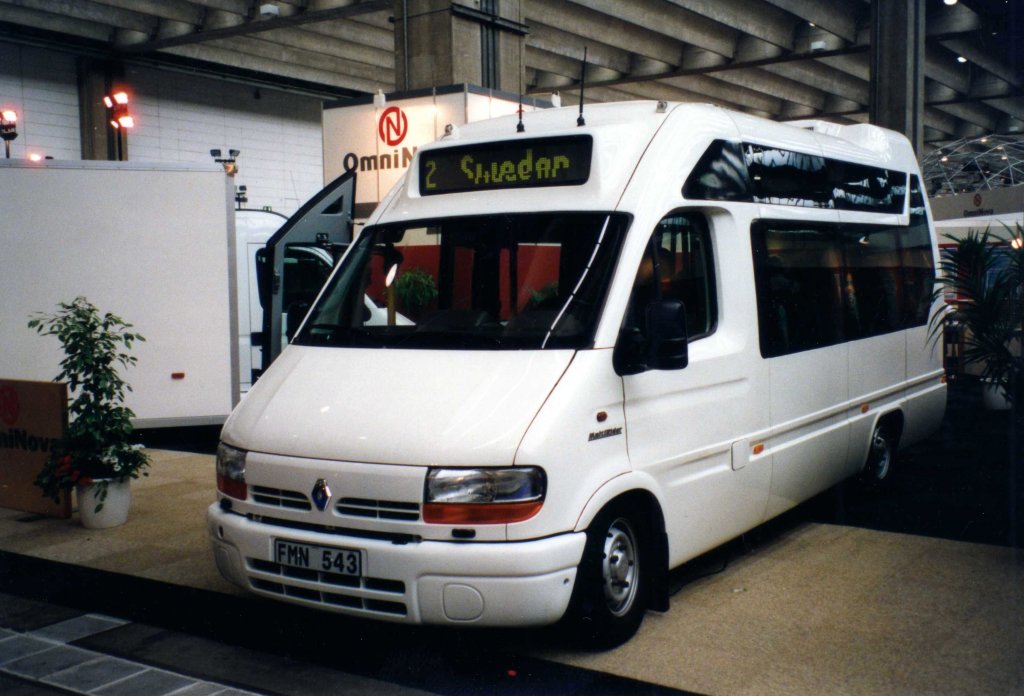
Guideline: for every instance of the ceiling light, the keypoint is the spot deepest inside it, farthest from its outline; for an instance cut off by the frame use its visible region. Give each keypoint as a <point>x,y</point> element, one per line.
<point>949,2</point>
<point>961,59</point>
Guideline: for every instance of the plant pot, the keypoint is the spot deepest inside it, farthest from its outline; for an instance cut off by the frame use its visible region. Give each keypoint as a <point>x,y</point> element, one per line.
<point>993,396</point>
<point>115,508</point>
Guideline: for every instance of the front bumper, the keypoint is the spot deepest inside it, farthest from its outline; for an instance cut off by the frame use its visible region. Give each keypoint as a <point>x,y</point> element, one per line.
<point>524,583</point>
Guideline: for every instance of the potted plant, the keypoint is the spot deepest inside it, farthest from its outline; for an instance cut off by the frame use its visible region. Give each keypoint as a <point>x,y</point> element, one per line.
<point>983,277</point>
<point>95,456</point>
<point>415,289</point>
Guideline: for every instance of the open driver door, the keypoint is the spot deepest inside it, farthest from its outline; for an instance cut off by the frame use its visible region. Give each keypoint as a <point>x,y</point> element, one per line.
<point>325,221</point>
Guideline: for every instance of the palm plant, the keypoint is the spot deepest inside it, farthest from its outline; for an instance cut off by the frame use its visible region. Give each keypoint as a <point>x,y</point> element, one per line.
<point>984,274</point>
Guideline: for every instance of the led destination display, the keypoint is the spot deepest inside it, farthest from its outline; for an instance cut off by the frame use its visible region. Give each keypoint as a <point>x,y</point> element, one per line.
<point>507,164</point>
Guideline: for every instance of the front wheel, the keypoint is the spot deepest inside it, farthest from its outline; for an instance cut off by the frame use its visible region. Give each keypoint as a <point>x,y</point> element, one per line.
<point>610,596</point>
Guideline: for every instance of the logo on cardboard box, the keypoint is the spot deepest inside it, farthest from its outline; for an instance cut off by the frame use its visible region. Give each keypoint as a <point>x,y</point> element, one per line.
<point>32,420</point>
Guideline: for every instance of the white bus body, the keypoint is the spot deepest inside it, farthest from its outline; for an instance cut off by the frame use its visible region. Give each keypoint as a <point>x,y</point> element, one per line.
<point>553,431</point>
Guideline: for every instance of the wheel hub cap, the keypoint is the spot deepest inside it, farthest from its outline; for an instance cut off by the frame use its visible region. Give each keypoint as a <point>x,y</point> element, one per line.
<point>619,567</point>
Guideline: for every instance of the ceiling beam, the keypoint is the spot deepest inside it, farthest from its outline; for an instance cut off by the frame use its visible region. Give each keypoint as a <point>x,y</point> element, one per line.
<point>251,26</point>
<point>21,16</point>
<point>87,11</point>
<point>300,40</point>
<point>715,70</point>
<point>174,10</point>
<point>759,80</point>
<point>254,63</point>
<point>839,18</point>
<point>317,60</point>
<point>750,17</point>
<point>561,43</point>
<point>585,25</point>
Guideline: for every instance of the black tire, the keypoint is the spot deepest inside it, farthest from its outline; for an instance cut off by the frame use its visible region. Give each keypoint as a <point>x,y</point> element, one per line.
<point>610,596</point>
<point>881,455</point>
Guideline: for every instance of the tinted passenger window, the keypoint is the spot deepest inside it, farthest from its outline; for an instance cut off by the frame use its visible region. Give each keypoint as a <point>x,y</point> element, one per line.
<point>871,280</point>
<point>784,177</point>
<point>820,284</point>
<point>917,261</point>
<point>720,175</point>
<point>799,287</point>
<point>750,172</point>
<point>870,189</point>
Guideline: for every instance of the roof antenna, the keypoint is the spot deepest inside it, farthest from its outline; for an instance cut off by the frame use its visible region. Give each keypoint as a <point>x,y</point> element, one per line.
<point>519,126</point>
<point>583,83</point>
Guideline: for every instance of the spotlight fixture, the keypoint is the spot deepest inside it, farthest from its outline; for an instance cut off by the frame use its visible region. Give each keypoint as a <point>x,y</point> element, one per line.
<point>121,120</point>
<point>229,164</point>
<point>8,128</point>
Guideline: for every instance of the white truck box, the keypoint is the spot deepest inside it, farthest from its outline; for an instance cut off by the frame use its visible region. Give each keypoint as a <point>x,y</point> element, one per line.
<point>151,243</point>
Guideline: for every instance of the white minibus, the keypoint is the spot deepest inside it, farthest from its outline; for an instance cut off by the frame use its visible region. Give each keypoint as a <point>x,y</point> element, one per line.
<point>629,336</point>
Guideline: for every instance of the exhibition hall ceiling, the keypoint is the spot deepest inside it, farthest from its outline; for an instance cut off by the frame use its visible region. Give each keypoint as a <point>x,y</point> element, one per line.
<point>784,59</point>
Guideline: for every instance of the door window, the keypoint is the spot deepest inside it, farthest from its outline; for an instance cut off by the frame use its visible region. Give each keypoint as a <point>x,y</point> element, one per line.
<point>678,265</point>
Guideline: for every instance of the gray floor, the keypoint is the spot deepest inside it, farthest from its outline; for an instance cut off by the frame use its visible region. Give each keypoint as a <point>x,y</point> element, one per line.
<point>814,608</point>
<point>46,656</point>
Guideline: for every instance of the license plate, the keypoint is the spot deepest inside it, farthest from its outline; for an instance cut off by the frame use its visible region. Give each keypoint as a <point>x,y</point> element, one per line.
<point>323,558</point>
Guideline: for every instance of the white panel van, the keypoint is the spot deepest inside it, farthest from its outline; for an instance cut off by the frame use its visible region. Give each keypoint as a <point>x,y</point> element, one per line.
<point>627,341</point>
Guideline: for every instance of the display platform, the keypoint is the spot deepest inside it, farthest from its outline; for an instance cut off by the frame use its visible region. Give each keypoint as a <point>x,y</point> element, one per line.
<point>803,608</point>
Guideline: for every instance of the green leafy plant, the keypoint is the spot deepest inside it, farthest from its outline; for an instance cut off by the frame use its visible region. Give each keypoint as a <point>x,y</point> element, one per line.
<point>545,297</point>
<point>415,289</point>
<point>96,446</point>
<point>983,275</point>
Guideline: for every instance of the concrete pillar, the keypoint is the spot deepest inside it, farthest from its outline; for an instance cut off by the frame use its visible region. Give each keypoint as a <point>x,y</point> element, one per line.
<point>439,42</point>
<point>96,79</point>
<point>897,67</point>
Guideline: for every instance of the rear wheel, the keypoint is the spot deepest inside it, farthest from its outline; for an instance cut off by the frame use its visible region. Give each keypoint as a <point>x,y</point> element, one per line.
<point>882,452</point>
<point>610,597</point>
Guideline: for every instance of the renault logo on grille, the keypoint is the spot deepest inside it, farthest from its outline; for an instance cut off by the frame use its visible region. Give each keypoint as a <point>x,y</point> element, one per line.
<point>321,494</point>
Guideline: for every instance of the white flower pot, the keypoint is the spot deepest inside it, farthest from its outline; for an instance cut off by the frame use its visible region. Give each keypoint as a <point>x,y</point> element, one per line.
<point>115,508</point>
<point>993,396</point>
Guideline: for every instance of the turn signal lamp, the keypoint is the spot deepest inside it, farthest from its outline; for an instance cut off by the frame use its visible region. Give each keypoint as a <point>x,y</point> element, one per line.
<point>231,472</point>
<point>483,495</point>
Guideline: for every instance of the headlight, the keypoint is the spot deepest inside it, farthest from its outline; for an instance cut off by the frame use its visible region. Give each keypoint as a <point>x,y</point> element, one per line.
<point>483,496</point>
<point>231,472</point>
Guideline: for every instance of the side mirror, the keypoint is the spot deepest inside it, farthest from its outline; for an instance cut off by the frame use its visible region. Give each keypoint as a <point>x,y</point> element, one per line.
<point>666,324</point>
<point>263,275</point>
<point>662,343</point>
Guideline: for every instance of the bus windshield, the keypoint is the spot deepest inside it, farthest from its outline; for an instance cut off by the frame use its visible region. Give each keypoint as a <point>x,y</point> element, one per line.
<point>487,282</point>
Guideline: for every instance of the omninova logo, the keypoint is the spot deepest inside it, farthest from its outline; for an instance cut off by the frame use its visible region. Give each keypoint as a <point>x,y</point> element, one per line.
<point>393,126</point>
<point>10,406</point>
<point>18,438</point>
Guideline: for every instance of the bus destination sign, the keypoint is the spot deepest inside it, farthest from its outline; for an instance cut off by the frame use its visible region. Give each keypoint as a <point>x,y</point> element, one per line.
<point>563,161</point>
